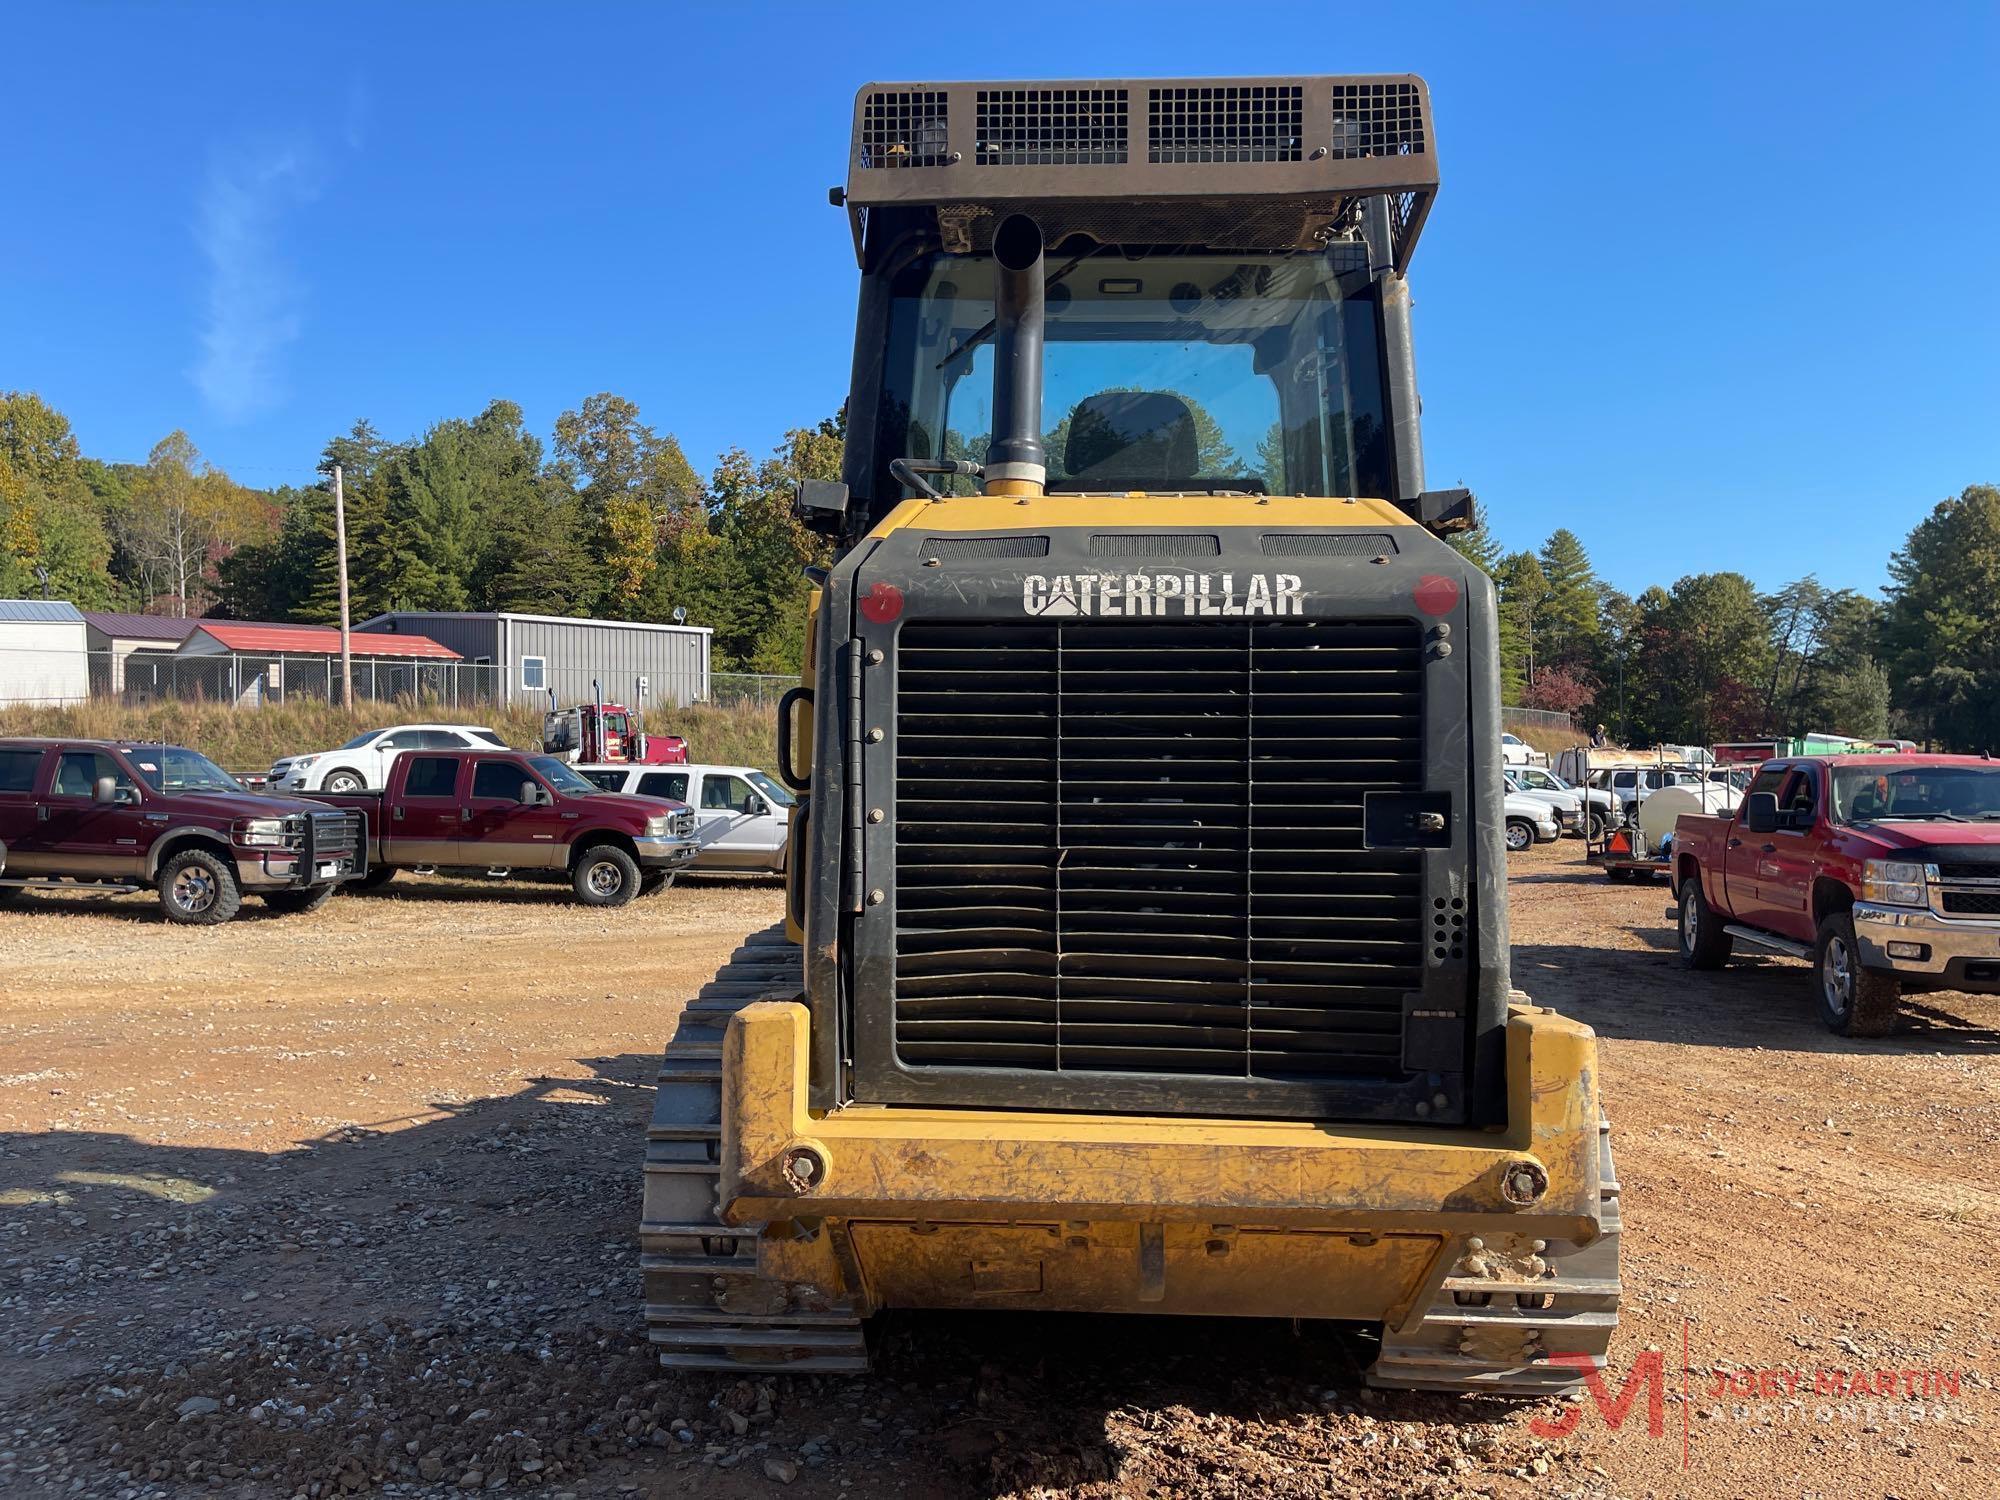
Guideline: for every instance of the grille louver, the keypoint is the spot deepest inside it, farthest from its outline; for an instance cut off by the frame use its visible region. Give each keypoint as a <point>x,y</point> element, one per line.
<point>1377,119</point>
<point>1137,850</point>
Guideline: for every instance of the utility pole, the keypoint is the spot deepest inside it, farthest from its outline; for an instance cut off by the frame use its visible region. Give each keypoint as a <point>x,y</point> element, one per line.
<point>346,628</point>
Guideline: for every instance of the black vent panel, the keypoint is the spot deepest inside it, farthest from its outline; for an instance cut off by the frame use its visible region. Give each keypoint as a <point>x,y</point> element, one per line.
<point>907,128</point>
<point>961,548</point>
<point>1157,544</point>
<point>1224,122</point>
<point>1051,127</point>
<point>1137,851</point>
<point>1329,544</point>
<point>1377,119</point>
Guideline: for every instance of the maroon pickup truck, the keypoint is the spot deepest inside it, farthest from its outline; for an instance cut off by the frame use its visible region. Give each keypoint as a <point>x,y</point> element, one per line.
<point>127,817</point>
<point>500,814</point>
<point>1883,870</point>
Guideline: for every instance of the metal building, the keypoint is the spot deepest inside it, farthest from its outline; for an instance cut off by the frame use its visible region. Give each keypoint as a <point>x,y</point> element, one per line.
<point>44,657</point>
<point>537,653</point>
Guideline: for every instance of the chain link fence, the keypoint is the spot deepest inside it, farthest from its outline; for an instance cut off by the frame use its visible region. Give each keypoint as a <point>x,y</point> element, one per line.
<point>761,688</point>
<point>245,679</point>
<point>1544,720</point>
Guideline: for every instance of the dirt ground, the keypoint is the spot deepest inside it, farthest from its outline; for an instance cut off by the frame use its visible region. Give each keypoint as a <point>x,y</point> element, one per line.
<point>346,1203</point>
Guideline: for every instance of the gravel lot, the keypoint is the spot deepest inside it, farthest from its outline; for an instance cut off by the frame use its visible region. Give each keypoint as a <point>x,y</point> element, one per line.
<point>345,1203</point>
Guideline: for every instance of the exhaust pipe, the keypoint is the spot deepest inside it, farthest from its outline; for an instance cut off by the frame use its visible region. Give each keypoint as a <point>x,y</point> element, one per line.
<point>1015,461</point>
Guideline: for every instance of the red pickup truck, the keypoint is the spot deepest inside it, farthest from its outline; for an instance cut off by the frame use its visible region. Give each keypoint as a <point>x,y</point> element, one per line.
<point>1883,870</point>
<point>128,817</point>
<point>505,813</point>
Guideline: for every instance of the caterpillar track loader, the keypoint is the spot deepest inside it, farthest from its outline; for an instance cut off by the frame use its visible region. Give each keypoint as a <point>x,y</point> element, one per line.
<point>1147,947</point>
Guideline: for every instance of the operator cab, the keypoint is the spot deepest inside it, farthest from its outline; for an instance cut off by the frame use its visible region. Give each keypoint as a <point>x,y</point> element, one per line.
<point>1164,372</point>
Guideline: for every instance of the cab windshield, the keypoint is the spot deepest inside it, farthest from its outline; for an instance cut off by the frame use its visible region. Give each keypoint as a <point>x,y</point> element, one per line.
<point>1949,794</point>
<point>777,795</point>
<point>173,769</point>
<point>1219,371</point>
<point>558,775</point>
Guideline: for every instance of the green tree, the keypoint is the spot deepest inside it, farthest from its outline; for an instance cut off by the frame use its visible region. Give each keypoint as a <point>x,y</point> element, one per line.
<point>632,482</point>
<point>1702,657</point>
<point>1524,591</point>
<point>52,542</point>
<point>1568,615</point>
<point>1941,628</point>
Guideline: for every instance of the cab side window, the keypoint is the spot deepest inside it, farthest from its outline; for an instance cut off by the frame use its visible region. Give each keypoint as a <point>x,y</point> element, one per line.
<point>1770,779</point>
<point>430,776</point>
<point>669,784</point>
<point>498,778</point>
<point>18,768</point>
<point>605,781</point>
<point>724,793</point>
<point>78,771</point>
<point>1800,799</point>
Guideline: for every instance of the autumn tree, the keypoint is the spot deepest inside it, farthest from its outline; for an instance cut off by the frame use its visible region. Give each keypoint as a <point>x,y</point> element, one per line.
<point>632,482</point>
<point>52,543</point>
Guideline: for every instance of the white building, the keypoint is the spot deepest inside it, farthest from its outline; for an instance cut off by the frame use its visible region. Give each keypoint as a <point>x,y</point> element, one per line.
<point>44,657</point>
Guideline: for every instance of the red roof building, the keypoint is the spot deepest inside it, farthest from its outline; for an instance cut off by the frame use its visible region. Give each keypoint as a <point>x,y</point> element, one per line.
<point>235,637</point>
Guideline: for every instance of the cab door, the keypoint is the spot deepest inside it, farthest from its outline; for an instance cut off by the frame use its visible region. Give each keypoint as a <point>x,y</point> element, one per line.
<point>498,829</point>
<point>1748,858</point>
<point>20,772</point>
<point>1785,876</point>
<point>738,826</point>
<point>422,823</point>
<point>77,835</point>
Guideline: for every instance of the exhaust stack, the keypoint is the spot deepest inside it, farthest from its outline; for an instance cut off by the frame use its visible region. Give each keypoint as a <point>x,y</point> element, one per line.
<point>1015,461</point>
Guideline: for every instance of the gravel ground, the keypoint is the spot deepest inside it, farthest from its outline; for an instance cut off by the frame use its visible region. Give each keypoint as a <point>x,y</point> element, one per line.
<point>345,1203</point>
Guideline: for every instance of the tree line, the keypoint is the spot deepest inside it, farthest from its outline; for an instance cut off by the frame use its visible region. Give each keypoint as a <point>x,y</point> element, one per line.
<point>1711,658</point>
<point>609,518</point>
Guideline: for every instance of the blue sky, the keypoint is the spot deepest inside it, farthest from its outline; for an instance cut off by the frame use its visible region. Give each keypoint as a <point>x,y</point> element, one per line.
<point>1714,286</point>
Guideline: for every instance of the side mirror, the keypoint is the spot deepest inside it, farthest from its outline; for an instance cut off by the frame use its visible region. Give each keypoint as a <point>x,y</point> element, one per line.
<point>1760,812</point>
<point>755,806</point>
<point>529,794</point>
<point>105,792</point>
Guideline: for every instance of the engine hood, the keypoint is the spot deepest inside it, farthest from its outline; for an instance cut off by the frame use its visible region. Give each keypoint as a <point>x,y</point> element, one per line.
<point>1972,843</point>
<point>232,805</point>
<point>637,806</point>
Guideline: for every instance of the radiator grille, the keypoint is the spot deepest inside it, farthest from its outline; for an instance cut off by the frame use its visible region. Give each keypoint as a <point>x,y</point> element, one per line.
<point>1137,850</point>
<point>1051,127</point>
<point>1224,122</point>
<point>904,129</point>
<point>1963,903</point>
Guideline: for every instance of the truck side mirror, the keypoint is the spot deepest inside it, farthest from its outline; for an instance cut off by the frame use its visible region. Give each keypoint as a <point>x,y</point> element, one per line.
<point>1760,812</point>
<point>755,806</point>
<point>105,792</point>
<point>529,794</point>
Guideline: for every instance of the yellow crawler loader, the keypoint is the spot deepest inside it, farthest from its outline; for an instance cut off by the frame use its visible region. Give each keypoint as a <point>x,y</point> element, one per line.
<point>1147,947</point>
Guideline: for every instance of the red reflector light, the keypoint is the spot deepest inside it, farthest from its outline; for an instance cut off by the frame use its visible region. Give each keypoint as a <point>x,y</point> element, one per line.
<point>1436,594</point>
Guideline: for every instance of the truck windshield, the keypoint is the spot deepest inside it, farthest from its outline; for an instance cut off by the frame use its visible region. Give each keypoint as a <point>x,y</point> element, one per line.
<point>176,770</point>
<point>1874,794</point>
<point>558,775</point>
<point>778,795</point>
<point>1235,371</point>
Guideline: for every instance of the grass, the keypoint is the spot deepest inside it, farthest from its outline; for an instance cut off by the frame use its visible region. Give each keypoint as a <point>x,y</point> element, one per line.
<point>249,739</point>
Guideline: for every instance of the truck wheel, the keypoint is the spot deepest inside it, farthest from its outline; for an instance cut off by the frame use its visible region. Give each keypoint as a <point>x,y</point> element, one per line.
<point>1704,945</point>
<point>1520,835</point>
<point>343,781</point>
<point>654,881</point>
<point>1853,1001</point>
<point>198,889</point>
<point>377,877</point>
<point>1600,827</point>
<point>605,875</point>
<point>293,903</point>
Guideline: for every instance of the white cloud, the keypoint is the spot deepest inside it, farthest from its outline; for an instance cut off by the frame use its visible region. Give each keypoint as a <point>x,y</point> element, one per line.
<point>253,313</point>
